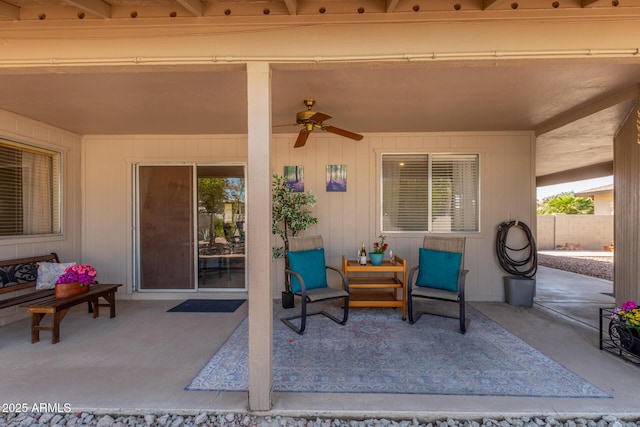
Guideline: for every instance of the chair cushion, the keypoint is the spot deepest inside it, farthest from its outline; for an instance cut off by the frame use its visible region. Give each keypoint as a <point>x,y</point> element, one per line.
<point>439,269</point>
<point>311,266</point>
<point>320,294</point>
<point>49,272</point>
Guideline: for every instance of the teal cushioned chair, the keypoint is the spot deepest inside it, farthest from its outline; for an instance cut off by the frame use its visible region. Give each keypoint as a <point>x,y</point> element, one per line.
<point>441,275</point>
<point>308,274</point>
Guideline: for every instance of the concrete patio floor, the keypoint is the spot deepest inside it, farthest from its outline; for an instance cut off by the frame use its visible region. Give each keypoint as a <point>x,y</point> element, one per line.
<point>140,362</point>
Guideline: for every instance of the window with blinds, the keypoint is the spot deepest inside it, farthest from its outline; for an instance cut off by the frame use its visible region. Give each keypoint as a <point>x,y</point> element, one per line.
<point>430,192</point>
<point>29,190</point>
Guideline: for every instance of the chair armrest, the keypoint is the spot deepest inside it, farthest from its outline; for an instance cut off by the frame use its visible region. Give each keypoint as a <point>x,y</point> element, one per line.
<point>410,279</point>
<point>345,282</point>
<point>303,287</point>
<point>461,279</point>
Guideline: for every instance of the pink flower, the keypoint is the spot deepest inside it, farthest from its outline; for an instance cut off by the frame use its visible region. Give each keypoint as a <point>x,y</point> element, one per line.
<point>82,273</point>
<point>629,305</point>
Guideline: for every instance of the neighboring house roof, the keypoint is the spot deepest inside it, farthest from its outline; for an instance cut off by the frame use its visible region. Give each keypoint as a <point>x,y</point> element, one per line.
<point>605,189</point>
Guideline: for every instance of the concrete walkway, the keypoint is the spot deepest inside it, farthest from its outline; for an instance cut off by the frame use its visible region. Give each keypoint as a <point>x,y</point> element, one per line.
<point>141,361</point>
<point>573,295</point>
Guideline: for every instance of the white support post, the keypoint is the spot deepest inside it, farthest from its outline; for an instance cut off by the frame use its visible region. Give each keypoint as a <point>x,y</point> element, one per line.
<point>259,236</point>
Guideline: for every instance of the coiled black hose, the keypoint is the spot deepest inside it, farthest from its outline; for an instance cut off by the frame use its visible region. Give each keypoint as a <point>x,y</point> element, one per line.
<point>525,265</point>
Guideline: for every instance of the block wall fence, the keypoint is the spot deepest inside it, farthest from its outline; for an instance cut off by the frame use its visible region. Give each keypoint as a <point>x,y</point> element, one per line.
<point>574,232</point>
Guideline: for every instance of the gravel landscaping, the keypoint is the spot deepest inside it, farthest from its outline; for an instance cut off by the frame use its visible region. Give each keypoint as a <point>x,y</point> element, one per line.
<point>242,420</point>
<point>594,266</point>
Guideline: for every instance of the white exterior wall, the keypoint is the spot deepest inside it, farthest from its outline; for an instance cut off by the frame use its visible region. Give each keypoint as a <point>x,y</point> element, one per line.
<point>108,199</point>
<point>626,257</point>
<point>345,219</point>
<point>68,245</point>
<point>603,204</point>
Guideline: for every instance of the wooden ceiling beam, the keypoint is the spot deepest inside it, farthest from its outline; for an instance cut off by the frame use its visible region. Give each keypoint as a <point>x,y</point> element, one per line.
<point>492,4</point>
<point>96,7</point>
<point>193,6</point>
<point>592,107</point>
<point>592,3</point>
<point>391,5</point>
<point>9,11</point>
<point>292,6</point>
<point>599,170</point>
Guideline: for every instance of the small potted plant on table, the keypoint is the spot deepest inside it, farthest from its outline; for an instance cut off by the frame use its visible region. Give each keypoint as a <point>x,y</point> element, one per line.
<point>378,251</point>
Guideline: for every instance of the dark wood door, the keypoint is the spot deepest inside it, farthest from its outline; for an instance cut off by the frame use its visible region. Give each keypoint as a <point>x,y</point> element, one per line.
<point>166,227</point>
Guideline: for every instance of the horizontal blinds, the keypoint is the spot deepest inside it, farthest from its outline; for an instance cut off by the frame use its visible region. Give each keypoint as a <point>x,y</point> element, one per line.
<point>29,190</point>
<point>10,191</point>
<point>437,193</point>
<point>455,192</point>
<point>405,192</point>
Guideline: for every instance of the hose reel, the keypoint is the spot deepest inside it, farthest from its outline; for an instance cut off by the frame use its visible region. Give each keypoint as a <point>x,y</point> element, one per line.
<point>521,261</point>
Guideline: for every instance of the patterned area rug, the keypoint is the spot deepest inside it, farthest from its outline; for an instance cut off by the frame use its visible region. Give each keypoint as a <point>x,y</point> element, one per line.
<point>377,352</point>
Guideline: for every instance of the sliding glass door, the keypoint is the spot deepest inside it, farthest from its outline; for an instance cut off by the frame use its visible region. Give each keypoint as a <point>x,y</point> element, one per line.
<point>221,227</point>
<point>190,227</point>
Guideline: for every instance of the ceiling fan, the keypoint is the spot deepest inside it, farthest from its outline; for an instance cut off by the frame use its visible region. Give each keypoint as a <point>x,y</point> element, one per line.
<point>310,120</point>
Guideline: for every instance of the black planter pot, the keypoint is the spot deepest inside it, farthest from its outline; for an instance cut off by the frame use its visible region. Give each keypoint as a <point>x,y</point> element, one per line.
<point>625,337</point>
<point>287,300</point>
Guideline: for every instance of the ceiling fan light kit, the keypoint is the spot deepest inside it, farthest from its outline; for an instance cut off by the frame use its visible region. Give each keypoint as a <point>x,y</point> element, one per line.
<point>310,120</point>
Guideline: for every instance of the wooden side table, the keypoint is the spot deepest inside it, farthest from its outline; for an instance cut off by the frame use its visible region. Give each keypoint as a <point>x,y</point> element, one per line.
<point>383,286</point>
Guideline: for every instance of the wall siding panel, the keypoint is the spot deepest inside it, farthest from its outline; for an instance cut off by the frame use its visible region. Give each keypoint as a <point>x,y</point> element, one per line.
<point>109,160</point>
<point>345,219</point>
<point>68,245</point>
<point>626,156</point>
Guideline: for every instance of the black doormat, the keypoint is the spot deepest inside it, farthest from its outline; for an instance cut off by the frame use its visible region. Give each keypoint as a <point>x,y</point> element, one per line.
<point>207,306</point>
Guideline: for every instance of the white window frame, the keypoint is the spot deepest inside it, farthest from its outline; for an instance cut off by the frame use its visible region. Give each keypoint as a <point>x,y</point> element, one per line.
<point>431,227</point>
<point>50,223</point>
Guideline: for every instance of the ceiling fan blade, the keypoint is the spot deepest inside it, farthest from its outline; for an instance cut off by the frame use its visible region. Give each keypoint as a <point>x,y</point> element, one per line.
<point>287,125</point>
<point>302,138</point>
<point>342,132</point>
<point>319,117</point>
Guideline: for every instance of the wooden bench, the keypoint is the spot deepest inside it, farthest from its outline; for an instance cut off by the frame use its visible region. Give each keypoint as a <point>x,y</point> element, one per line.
<point>58,308</point>
<point>19,274</point>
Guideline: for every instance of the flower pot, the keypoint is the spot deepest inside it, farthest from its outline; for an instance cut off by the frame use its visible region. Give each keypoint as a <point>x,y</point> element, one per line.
<point>376,259</point>
<point>287,300</point>
<point>624,337</point>
<point>65,290</point>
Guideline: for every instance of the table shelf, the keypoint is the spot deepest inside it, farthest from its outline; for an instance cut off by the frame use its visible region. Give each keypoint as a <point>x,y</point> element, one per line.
<point>384,286</point>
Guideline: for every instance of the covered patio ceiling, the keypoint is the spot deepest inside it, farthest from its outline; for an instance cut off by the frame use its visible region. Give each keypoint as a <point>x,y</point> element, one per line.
<point>364,98</point>
<point>574,106</point>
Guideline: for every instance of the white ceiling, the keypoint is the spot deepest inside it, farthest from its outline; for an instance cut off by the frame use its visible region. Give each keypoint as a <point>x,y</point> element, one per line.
<point>363,98</point>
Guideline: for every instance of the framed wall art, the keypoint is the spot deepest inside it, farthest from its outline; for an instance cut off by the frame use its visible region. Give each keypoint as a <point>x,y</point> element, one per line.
<point>336,178</point>
<point>294,176</point>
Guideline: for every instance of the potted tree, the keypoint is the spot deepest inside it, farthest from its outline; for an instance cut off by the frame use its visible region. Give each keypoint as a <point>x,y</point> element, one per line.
<point>290,215</point>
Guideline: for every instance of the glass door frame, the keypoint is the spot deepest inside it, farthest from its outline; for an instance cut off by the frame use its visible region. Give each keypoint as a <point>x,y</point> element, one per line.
<point>196,260</point>
<point>136,226</point>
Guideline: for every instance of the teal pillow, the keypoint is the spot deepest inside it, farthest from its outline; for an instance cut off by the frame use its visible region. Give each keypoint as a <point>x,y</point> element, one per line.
<point>311,266</point>
<point>439,269</point>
